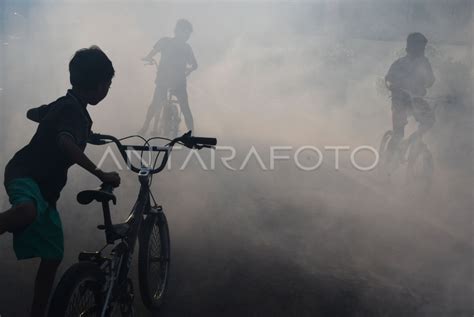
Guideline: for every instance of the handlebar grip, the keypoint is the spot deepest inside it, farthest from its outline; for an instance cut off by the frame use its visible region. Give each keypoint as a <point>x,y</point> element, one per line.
<point>203,141</point>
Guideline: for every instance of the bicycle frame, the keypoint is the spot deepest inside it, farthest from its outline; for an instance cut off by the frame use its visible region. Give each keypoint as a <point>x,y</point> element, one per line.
<point>117,268</point>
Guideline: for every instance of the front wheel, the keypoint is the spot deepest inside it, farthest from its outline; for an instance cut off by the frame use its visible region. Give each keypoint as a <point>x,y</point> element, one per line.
<point>79,291</point>
<point>383,148</point>
<point>384,153</point>
<point>154,260</point>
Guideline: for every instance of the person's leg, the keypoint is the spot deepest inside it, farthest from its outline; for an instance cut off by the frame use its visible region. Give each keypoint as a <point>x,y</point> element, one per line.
<point>43,286</point>
<point>18,217</point>
<point>155,107</point>
<point>182,96</point>
<point>161,96</point>
<point>399,121</point>
<point>424,115</point>
<point>37,232</point>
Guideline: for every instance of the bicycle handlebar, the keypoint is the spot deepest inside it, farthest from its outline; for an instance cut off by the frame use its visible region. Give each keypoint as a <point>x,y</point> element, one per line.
<point>186,139</point>
<point>413,96</point>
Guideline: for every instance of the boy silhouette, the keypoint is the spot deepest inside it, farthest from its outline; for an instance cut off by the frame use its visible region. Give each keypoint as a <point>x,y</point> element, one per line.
<point>176,63</point>
<point>37,173</point>
<point>408,79</point>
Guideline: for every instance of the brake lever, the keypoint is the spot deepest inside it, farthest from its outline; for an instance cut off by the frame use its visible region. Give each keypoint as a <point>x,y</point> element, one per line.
<point>184,139</point>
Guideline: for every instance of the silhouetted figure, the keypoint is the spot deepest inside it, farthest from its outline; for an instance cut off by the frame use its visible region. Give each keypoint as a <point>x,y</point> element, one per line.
<point>37,173</point>
<point>176,63</point>
<point>408,79</point>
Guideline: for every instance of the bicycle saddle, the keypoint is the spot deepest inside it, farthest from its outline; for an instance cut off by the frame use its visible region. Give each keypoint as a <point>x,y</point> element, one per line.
<point>101,195</point>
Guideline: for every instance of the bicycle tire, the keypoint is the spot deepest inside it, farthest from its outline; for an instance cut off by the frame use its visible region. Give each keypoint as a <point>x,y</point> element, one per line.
<point>154,239</point>
<point>383,152</point>
<point>174,122</point>
<point>170,121</point>
<point>420,165</point>
<point>165,121</point>
<point>80,277</point>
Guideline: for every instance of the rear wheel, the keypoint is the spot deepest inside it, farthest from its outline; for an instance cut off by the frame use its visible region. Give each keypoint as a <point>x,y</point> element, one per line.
<point>170,120</point>
<point>175,121</point>
<point>79,291</point>
<point>154,260</point>
<point>383,148</point>
<point>420,165</point>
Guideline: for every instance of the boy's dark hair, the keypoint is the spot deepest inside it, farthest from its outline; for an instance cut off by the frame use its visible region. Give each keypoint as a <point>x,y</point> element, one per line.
<point>416,39</point>
<point>184,25</point>
<point>90,67</point>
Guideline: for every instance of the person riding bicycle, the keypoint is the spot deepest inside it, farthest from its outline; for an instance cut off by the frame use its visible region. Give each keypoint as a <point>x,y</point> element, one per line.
<point>408,79</point>
<point>176,63</point>
<point>36,175</point>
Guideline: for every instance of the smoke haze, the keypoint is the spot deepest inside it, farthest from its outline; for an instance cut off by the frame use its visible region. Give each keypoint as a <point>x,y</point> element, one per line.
<point>253,242</point>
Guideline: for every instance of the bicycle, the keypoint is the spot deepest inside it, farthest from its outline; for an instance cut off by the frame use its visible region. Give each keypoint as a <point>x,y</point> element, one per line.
<point>99,285</point>
<point>167,122</point>
<point>412,151</point>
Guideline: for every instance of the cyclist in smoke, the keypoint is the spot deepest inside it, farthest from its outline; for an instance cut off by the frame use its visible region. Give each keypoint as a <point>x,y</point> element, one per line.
<point>408,79</point>
<point>36,175</point>
<point>176,63</point>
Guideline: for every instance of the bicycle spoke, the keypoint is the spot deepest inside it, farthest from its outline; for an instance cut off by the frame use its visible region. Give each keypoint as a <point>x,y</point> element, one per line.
<point>155,259</point>
<point>82,301</point>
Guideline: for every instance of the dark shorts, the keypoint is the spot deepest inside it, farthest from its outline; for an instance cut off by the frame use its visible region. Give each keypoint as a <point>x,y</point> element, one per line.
<point>44,237</point>
<point>177,88</point>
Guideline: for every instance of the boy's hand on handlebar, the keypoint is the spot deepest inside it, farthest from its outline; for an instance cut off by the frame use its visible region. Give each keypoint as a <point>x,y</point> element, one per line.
<point>112,178</point>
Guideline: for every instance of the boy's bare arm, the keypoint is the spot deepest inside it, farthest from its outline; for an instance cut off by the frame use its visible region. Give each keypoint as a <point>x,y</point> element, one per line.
<point>67,144</point>
<point>155,50</point>
<point>393,76</point>
<point>191,62</point>
<point>152,53</point>
<point>429,76</point>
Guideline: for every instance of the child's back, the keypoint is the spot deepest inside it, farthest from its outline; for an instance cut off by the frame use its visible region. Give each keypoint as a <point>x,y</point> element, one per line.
<point>42,159</point>
<point>412,74</point>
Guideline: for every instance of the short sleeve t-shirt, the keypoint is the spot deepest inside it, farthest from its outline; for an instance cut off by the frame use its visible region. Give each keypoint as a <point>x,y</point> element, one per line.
<point>42,159</point>
<point>175,56</point>
<point>411,74</point>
